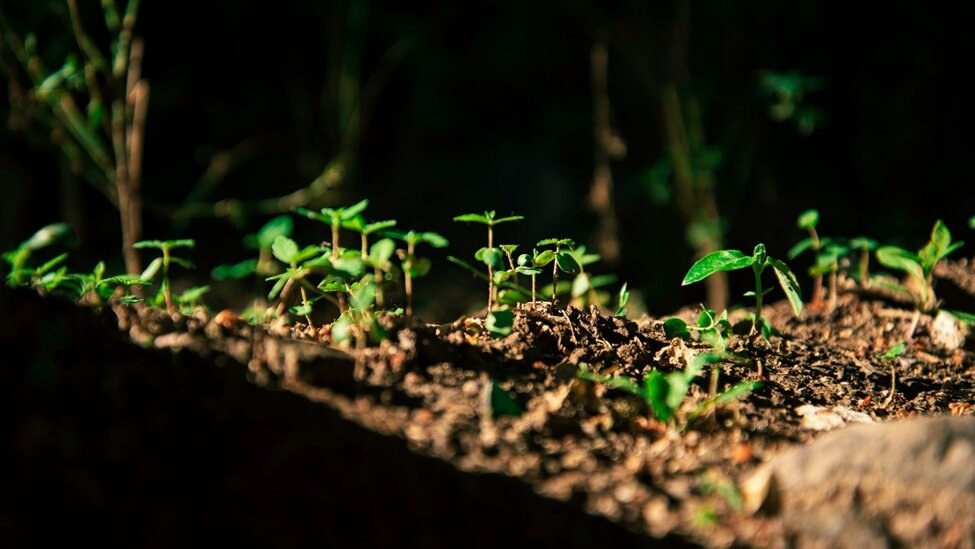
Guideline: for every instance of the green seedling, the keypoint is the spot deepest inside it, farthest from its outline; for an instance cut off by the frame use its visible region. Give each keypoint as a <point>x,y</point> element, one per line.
<point>807,221</point>
<point>358,321</point>
<point>920,267</point>
<point>163,263</point>
<point>711,329</point>
<point>413,265</point>
<point>490,255</point>
<point>380,264</point>
<point>864,245</point>
<point>262,241</point>
<point>301,263</point>
<point>622,300</point>
<point>563,261</point>
<point>828,262</point>
<point>336,218</point>
<point>20,273</point>
<point>891,356</point>
<point>665,393</point>
<point>731,260</point>
<point>584,288</point>
<point>191,299</point>
<point>500,322</point>
<point>95,288</point>
<point>531,265</point>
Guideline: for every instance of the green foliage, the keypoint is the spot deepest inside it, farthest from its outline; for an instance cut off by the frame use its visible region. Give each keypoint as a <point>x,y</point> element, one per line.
<point>711,329</point>
<point>502,403</point>
<point>787,92</point>
<point>730,260</point>
<point>920,266</point>
<point>49,235</point>
<point>500,322</point>
<point>624,298</point>
<point>894,352</point>
<point>490,256</point>
<point>562,260</point>
<point>665,393</point>
<point>162,263</point>
<point>413,265</point>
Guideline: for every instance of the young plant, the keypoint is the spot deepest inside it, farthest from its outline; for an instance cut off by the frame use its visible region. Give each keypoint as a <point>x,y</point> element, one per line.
<point>384,250</point>
<point>711,329</point>
<point>413,265</point>
<point>263,265</point>
<point>49,235</point>
<point>531,265</point>
<point>665,393</point>
<point>828,262</point>
<point>891,356</point>
<point>563,260</point>
<point>358,321</point>
<point>95,288</point>
<point>731,260</point>
<point>920,266</point>
<point>865,246</point>
<point>624,298</point>
<point>490,255</point>
<point>807,221</point>
<point>301,263</point>
<point>336,218</point>
<point>163,262</point>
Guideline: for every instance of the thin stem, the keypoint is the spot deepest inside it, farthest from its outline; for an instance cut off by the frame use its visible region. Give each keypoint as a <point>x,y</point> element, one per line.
<point>816,299</point>
<point>831,305</point>
<point>533,291</point>
<point>409,282</point>
<point>167,293</point>
<point>864,263</point>
<point>304,304</point>
<point>490,270</point>
<point>555,277</point>
<point>758,295</point>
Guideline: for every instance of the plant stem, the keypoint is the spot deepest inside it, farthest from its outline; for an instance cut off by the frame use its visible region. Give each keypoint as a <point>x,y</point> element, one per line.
<point>167,293</point>
<point>816,299</point>
<point>533,291</point>
<point>555,276</point>
<point>409,282</point>
<point>864,262</point>
<point>758,295</point>
<point>304,304</point>
<point>490,270</point>
<point>831,305</point>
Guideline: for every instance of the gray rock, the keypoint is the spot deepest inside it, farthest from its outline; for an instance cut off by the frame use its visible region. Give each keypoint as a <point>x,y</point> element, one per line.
<point>909,483</point>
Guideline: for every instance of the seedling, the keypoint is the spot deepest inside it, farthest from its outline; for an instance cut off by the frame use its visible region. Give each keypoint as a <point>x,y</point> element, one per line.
<point>891,356</point>
<point>731,260</point>
<point>563,261</point>
<point>384,251</point>
<point>711,329</point>
<point>95,287</point>
<point>55,233</point>
<point>490,256</point>
<point>665,393</point>
<point>262,241</point>
<point>828,262</point>
<point>358,320</point>
<point>531,265</point>
<point>300,264</point>
<point>807,221</point>
<point>624,298</point>
<point>413,265</point>
<point>335,218</point>
<point>163,262</point>
<point>865,246</point>
<point>920,266</point>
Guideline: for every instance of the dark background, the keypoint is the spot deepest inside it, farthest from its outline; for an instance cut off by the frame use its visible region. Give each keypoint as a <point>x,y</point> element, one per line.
<point>491,108</point>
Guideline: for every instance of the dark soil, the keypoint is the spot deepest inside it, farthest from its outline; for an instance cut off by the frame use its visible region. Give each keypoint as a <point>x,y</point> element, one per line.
<point>399,444</point>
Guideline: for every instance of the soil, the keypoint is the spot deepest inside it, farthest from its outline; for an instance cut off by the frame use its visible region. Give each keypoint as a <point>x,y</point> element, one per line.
<point>278,436</point>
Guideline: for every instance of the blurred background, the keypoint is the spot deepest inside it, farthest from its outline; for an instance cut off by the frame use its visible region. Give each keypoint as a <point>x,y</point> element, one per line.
<point>651,132</point>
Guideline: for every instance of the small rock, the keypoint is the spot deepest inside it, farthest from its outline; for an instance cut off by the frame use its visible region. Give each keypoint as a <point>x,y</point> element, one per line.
<point>947,332</point>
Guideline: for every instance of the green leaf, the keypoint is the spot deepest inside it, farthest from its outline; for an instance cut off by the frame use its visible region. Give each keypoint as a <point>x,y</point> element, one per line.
<point>509,249</point>
<point>192,295</point>
<point>382,250</point>
<point>503,404</point>
<point>675,327</point>
<point>152,269</point>
<point>580,285</point>
<point>475,218</point>
<point>278,286</point>
<point>509,218</point>
<point>433,239</point>
<point>511,297</point>
<point>285,249</point>
<point>902,260</point>
<point>737,391</point>
<point>353,210</point>
<point>721,260</point>
<point>281,225</point>
<point>656,393</point>
<point>55,233</point>
<point>50,264</point>
<point>236,271</point>
<point>379,226</point>
<point>528,271</point>
<point>967,318</point>
<point>544,258</point>
<point>185,263</point>
<point>341,329</point>
<point>491,257</point>
<point>500,322</point>
<point>801,246</point>
<point>624,298</point>
<point>566,262</point>
<point>418,267</point>
<point>568,242</point>
<point>767,330</point>
<point>863,243</point>
<point>362,296</point>
<point>603,280</point>
<point>808,219</point>
<point>789,284</point>
<point>893,352</point>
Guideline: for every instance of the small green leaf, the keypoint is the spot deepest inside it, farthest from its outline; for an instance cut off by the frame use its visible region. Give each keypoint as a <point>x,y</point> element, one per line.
<point>967,318</point>
<point>55,233</point>
<point>503,404</point>
<point>362,296</point>
<point>789,284</point>
<point>721,260</point>
<point>568,242</point>
<point>623,299</point>
<point>656,393</point>
<point>528,271</point>
<point>893,352</point>
<point>419,267</point>
<point>192,295</point>
<point>566,262</point>
<point>675,327</point>
<point>902,260</point>
<point>544,258</point>
<point>281,225</point>
<point>236,271</point>
<point>580,285</point>
<point>382,250</point>
<point>509,249</point>
<point>801,246</point>
<point>808,219</point>
<point>352,211</point>
<point>475,218</point>
<point>500,322</point>
<point>152,269</point>
<point>507,219</point>
<point>341,329</point>
<point>433,239</point>
<point>285,249</point>
<point>491,257</point>
<point>185,263</point>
